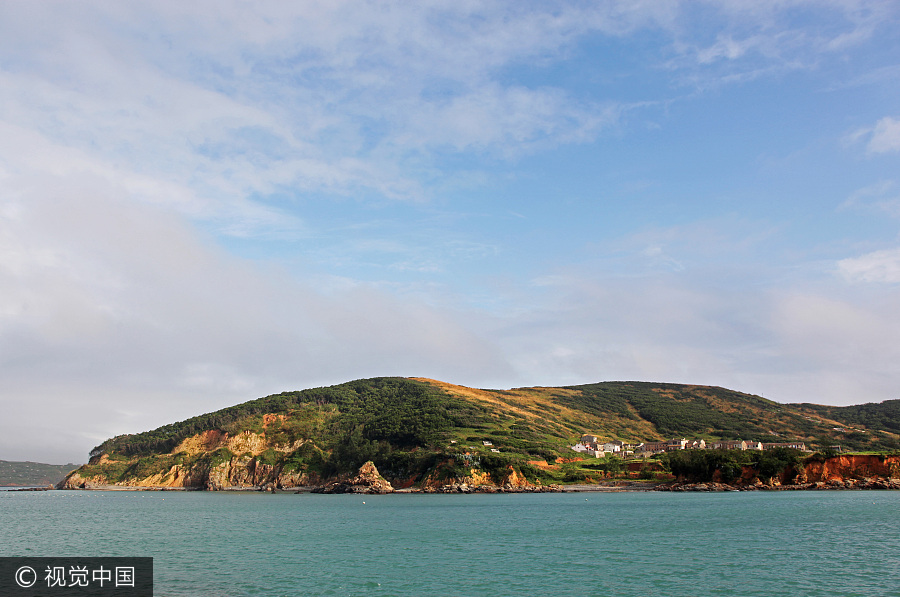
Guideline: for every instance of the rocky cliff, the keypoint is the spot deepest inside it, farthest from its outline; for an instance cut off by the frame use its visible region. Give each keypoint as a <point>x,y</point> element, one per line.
<point>478,481</point>
<point>854,466</point>
<point>214,460</point>
<point>852,471</point>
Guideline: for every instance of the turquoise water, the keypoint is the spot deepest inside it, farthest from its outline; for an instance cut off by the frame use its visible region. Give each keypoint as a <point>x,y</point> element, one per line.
<point>584,544</point>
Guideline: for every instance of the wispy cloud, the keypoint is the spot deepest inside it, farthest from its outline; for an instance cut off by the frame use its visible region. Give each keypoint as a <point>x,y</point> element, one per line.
<point>310,96</point>
<point>877,266</point>
<point>882,196</point>
<point>758,39</point>
<point>885,136</point>
<point>329,96</point>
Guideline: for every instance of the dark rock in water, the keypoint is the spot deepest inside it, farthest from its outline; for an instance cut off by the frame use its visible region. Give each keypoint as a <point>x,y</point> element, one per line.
<point>367,480</point>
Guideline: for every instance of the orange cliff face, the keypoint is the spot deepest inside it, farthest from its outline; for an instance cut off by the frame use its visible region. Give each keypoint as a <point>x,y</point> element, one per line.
<point>241,469</point>
<point>861,466</point>
<point>855,471</point>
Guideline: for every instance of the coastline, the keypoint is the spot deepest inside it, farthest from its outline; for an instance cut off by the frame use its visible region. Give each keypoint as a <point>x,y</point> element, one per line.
<point>610,487</point>
<point>860,472</point>
<point>872,484</point>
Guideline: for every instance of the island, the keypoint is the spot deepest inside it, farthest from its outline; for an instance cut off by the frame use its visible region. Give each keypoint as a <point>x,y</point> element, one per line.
<point>416,434</point>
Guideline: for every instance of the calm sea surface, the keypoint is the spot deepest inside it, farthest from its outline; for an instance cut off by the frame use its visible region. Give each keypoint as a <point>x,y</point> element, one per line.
<point>579,544</point>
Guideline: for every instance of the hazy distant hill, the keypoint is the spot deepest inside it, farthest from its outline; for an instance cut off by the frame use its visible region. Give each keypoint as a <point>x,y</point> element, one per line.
<point>33,473</point>
<point>418,430</point>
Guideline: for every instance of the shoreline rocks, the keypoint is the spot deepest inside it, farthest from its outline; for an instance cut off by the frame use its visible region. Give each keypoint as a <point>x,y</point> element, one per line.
<point>877,483</point>
<point>368,480</point>
<point>506,488</point>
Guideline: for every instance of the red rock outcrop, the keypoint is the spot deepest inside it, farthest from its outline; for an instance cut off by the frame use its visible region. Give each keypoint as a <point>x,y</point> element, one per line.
<point>854,466</point>
<point>854,471</point>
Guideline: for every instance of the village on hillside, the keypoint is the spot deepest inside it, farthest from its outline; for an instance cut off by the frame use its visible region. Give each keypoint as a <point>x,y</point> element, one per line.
<point>591,445</point>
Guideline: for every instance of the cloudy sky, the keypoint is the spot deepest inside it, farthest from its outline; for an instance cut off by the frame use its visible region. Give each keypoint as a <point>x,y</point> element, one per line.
<point>202,203</point>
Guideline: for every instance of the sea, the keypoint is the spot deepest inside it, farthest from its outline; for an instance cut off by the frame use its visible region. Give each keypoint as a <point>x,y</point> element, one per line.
<point>234,544</point>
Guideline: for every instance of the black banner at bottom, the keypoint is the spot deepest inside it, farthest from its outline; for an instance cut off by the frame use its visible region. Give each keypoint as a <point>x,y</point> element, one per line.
<point>76,577</point>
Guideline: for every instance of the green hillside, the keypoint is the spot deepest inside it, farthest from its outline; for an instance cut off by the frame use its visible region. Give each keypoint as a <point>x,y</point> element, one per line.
<point>883,416</point>
<point>23,474</point>
<point>388,420</point>
<point>412,428</point>
<point>717,413</point>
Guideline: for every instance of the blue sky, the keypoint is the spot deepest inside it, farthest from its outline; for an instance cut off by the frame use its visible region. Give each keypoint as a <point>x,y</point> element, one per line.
<point>202,204</point>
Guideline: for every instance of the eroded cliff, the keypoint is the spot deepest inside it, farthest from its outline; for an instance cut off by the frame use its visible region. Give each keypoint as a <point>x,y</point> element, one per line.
<point>210,460</point>
<point>851,471</point>
<point>851,467</point>
<point>215,460</point>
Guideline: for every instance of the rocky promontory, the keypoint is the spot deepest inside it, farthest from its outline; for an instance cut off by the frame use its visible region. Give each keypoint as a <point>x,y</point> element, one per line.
<point>367,480</point>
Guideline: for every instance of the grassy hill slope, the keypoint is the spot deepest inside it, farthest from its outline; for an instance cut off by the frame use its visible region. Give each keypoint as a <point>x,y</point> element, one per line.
<point>879,419</point>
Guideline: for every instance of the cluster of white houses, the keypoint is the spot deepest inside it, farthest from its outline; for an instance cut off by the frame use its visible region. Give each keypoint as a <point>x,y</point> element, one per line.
<point>592,446</point>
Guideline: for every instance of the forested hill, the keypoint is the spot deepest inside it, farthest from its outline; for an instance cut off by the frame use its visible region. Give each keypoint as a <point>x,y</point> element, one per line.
<point>38,474</point>
<point>400,415</point>
<point>861,418</point>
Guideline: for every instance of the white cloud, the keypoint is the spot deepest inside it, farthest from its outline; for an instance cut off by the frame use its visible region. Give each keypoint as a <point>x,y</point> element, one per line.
<point>29,157</point>
<point>726,48</point>
<point>847,347</point>
<point>878,266</point>
<point>509,121</point>
<point>885,136</point>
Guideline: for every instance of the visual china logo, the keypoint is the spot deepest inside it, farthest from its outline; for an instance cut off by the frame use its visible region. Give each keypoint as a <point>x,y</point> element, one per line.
<point>64,577</point>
